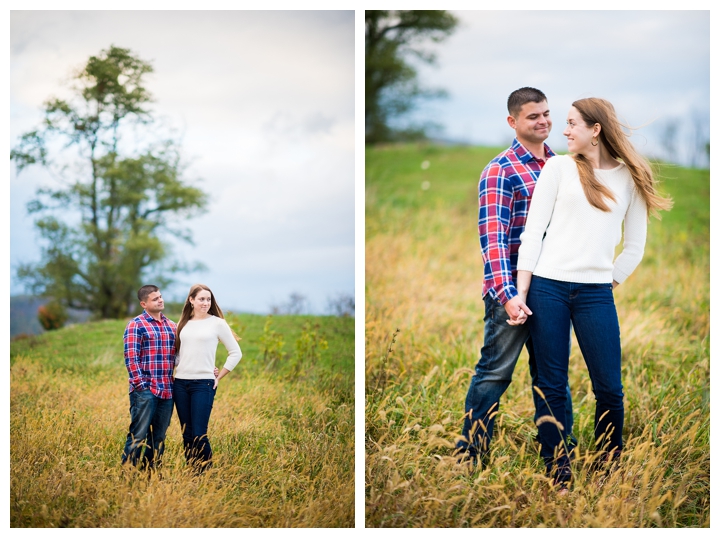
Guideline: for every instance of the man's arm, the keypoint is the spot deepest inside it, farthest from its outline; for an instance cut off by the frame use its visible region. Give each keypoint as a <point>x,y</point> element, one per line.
<point>495,198</point>
<point>132,344</point>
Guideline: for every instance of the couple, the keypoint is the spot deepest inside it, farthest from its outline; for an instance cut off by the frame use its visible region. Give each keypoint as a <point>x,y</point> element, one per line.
<point>549,268</point>
<point>154,347</point>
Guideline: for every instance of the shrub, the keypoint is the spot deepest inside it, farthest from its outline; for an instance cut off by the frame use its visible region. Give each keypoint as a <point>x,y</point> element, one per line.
<point>52,316</point>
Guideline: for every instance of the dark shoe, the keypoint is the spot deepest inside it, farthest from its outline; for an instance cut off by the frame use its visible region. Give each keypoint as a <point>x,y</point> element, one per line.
<point>562,477</point>
<point>465,457</point>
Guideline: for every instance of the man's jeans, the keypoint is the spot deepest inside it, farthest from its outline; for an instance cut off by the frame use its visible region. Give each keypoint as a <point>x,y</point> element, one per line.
<point>194,401</point>
<point>149,420</point>
<point>591,310</point>
<point>493,374</point>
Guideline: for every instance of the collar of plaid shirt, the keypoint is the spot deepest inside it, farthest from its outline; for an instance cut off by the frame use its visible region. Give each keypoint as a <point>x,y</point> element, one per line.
<point>524,156</point>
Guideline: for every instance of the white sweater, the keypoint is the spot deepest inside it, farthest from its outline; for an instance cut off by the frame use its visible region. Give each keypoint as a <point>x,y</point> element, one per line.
<point>198,344</point>
<point>580,240</point>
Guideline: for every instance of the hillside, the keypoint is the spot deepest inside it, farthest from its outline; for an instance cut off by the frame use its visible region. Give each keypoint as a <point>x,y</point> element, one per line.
<point>282,430</point>
<point>424,329</point>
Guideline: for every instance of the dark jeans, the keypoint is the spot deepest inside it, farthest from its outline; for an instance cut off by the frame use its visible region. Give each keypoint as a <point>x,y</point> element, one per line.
<point>194,401</point>
<point>591,310</point>
<point>493,374</point>
<point>149,421</point>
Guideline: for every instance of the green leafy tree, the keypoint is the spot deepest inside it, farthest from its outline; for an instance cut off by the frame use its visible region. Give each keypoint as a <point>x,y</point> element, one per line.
<point>103,227</point>
<point>391,86</point>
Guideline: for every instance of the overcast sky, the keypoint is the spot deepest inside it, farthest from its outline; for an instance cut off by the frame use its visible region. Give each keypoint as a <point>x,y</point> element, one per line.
<point>654,66</point>
<point>264,103</point>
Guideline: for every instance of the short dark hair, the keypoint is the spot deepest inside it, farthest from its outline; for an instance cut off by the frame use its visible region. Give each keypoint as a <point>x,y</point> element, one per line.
<point>524,95</point>
<point>146,290</point>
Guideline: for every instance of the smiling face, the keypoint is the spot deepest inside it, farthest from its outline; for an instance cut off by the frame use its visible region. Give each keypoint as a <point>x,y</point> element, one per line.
<point>579,135</point>
<point>201,302</point>
<point>153,304</point>
<point>532,124</point>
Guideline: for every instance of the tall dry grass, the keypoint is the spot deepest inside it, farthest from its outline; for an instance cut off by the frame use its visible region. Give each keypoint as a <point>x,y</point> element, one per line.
<point>424,278</point>
<point>283,444</point>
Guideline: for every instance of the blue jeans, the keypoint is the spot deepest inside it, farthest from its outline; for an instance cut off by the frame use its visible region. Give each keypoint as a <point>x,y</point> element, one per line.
<point>591,310</point>
<point>194,401</point>
<point>493,374</point>
<point>149,420</point>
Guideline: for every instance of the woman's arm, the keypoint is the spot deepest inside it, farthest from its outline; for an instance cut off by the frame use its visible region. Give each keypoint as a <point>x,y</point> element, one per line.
<point>635,234</point>
<point>225,335</point>
<point>538,218</point>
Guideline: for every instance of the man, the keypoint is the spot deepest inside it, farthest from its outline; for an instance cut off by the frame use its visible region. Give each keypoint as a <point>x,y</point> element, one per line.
<point>150,358</point>
<point>505,189</point>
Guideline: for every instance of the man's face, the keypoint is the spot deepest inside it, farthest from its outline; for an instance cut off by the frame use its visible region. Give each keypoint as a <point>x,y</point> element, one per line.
<point>532,124</point>
<point>154,303</point>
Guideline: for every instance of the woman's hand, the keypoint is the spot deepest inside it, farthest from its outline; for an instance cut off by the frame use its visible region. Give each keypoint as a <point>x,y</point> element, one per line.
<point>219,376</point>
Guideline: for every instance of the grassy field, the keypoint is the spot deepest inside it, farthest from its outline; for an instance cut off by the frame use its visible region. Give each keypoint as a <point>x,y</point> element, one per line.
<point>282,431</point>
<point>424,330</point>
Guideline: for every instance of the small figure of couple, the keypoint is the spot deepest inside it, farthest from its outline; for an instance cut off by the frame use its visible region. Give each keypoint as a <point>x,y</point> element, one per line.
<point>154,347</point>
<point>549,268</point>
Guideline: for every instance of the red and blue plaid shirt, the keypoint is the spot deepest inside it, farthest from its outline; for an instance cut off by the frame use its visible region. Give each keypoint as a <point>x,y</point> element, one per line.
<point>504,192</point>
<point>150,354</point>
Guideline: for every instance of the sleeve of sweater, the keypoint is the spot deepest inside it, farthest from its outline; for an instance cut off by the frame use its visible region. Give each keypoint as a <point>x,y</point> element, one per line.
<point>226,337</point>
<point>538,219</point>
<point>635,233</point>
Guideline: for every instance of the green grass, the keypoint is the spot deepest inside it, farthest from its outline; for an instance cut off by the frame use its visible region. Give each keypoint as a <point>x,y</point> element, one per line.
<point>282,434</point>
<point>424,277</point>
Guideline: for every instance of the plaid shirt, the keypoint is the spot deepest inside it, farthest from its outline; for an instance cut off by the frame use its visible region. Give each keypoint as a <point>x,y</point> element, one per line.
<point>506,186</point>
<point>150,354</point>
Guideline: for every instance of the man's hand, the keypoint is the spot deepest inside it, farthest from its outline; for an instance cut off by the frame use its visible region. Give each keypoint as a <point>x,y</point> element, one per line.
<point>517,310</point>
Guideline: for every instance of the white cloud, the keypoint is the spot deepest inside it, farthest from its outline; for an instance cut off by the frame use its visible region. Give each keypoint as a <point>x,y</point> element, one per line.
<point>264,102</point>
<point>652,65</point>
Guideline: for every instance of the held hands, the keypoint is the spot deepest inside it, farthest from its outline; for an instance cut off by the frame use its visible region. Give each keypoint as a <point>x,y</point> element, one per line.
<point>517,310</point>
<point>216,372</point>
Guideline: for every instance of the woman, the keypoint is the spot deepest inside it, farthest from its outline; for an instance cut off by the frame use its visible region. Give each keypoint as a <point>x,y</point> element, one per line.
<point>200,327</point>
<point>575,221</point>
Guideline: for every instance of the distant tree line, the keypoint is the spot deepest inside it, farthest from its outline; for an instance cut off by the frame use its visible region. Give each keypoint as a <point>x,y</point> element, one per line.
<point>339,304</point>
<point>686,140</point>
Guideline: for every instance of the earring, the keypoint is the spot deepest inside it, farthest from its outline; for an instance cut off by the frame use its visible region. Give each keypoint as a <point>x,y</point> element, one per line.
<point>591,142</point>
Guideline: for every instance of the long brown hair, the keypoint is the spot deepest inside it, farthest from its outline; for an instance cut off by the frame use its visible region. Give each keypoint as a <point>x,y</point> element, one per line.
<point>187,311</point>
<point>595,110</point>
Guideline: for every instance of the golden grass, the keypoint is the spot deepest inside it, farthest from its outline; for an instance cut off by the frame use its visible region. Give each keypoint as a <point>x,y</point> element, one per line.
<point>283,455</point>
<point>424,277</point>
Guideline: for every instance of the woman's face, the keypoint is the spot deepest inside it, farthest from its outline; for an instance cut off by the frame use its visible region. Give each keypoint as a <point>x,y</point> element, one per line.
<point>579,135</point>
<point>201,302</point>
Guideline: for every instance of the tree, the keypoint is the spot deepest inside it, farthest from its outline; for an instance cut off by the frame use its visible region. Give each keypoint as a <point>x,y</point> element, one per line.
<point>669,138</point>
<point>341,305</point>
<point>52,316</point>
<point>297,304</point>
<point>124,197</point>
<point>391,86</point>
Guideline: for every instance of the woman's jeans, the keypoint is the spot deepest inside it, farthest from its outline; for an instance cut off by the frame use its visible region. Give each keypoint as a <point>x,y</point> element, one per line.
<point>591,310</point>
<point>493,373</point>
<point>194,401</point>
